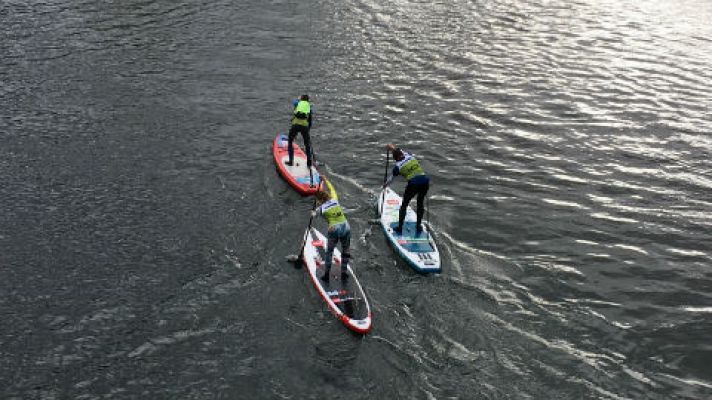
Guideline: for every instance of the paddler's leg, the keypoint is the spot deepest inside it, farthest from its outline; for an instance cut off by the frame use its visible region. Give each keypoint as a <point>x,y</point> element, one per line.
<point>345,247</point>
<point>307,145</point>
<point>333,237</point>
<point>422,191</point>
<point>410,192</point>
<point>290,139</point>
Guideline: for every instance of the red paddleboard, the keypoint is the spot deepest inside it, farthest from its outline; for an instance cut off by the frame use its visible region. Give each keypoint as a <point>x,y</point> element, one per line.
<point>297,175</point>
<point>346,299</point>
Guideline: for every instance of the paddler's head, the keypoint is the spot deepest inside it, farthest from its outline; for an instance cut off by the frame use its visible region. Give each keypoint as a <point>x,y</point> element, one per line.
<point>398,154</point>
<point>304,97</point>
<point>322,196</point>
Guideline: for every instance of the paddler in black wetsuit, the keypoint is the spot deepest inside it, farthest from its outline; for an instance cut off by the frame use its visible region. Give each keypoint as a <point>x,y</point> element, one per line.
<point>301,123</point>
<point>418,184</point>
<point>339,229</point>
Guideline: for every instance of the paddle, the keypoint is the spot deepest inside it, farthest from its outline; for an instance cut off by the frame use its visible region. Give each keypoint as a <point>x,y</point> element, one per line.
<point>385,178</point>
<point>427,210</point>
<point>377,221</point>
<point>295,258</point>
<point>314,164</point>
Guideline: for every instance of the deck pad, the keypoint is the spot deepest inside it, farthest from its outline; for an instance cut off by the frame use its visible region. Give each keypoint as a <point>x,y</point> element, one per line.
<point>342,292</point>
<point>411,240</point>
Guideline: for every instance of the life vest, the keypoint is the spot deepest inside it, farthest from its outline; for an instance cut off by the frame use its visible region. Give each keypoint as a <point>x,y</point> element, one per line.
<point>332,212</point>
<point>409,167</point>
<point>301,113</point>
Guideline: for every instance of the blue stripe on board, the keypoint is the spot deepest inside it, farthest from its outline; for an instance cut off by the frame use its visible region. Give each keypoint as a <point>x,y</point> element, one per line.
<point>414,243</point>
<point>305,180</point>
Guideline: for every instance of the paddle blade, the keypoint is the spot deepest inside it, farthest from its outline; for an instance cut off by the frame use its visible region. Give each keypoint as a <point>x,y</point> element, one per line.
<point>297,260</point>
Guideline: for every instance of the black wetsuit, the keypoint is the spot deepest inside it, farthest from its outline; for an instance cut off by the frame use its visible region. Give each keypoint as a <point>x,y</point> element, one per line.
<point>304,130</point>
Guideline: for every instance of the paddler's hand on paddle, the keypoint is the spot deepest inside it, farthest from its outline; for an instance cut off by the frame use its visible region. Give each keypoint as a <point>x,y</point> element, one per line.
<point>390,147</point>
<point>313,213</point>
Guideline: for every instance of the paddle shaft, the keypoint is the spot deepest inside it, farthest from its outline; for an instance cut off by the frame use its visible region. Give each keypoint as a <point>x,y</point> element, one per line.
<point>313,163</point>
<point>306,234</point>
<point>427,209</point>
<point>385,178</point>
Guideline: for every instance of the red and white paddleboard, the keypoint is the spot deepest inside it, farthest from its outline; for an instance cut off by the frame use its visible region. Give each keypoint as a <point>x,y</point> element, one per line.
<point>345,298</point>
<point>297,175</point>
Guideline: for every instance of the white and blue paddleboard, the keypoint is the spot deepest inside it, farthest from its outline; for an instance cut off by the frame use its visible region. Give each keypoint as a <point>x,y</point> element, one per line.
<point>418,250</point>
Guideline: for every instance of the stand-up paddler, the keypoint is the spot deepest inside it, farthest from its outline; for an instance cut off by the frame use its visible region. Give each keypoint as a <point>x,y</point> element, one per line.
<point>301,123</point>
<point>409,168</point>
<point>339,229</point>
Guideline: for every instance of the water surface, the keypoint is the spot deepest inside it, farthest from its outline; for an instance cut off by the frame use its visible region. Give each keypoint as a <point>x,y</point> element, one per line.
<point>144,228</point>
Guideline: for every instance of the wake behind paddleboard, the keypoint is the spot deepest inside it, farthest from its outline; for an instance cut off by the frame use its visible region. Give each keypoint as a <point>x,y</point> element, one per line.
<point>345,298</point>
<point>418,250</point>
<point>297,175</point>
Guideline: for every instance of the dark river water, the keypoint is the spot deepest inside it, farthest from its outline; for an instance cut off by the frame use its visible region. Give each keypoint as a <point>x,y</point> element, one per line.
<point>144,230</point>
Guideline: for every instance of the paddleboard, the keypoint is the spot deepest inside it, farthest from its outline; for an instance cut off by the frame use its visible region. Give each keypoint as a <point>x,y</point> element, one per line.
<point>418,250</point>
<point>345,298</point>
<point>297,175</point>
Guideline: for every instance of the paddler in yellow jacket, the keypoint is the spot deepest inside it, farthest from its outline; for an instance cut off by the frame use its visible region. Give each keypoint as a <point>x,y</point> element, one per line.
<point>339,229</point>
<point>418,184</point>
<point>301,123</point>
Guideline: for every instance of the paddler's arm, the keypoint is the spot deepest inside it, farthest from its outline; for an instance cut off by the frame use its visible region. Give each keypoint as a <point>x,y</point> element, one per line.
<point>390,147</point>
<point>391,176</point>
<point>294,107</point>
<point>332,191</point>
<point>316,211</point>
